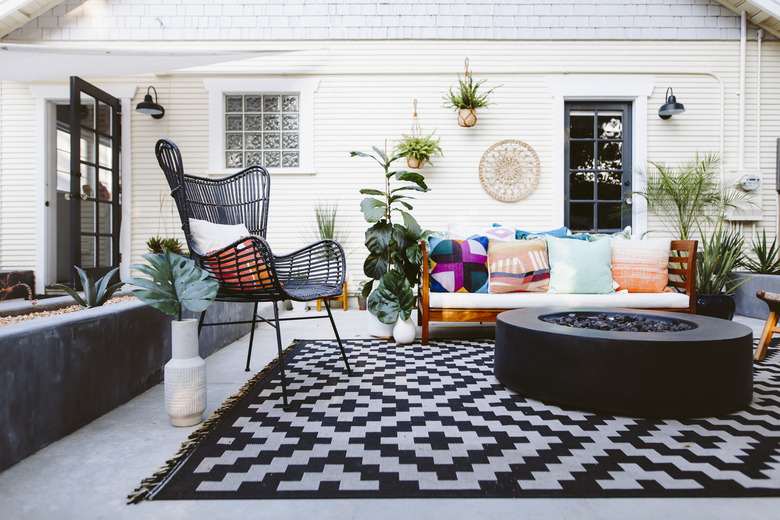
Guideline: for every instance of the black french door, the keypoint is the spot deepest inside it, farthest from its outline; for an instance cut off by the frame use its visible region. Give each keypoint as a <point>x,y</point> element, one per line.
<point>597,166</point>
<point>95,195</point>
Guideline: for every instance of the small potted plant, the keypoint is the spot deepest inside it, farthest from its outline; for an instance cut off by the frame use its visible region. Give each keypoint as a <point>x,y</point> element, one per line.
<point>718,256</point>
<point>465,98</point>
<point>155,245</point>
<point>419,148</point>
<point>175,282</point>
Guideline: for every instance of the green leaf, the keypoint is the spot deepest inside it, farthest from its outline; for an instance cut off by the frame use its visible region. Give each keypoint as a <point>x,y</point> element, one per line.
<point>381,154</point>
<point>392,299</point>
<point>378,236</point>
<point>375,265</point>
<point>369,191</point>
<point>412,177</point>
<point>373,210</point>
<point>367,288</point>
<point>73,294</point>
<point>414,231</point>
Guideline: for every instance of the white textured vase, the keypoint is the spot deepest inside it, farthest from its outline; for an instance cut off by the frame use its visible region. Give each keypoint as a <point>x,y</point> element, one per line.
<point>185,376</point>
<point>376,328</point>
<point>404,331</point>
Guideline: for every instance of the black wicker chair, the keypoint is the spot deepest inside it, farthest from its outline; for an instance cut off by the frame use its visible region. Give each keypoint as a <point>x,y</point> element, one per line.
<point>247,269</point>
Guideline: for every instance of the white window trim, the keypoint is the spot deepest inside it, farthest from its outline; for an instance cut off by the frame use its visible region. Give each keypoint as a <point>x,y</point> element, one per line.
<point>45,226</point>
<point>603,88</point>
<point>218,87</point>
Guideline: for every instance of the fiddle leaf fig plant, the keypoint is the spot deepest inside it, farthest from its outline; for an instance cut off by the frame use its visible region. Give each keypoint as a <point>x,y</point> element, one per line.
<point>174,281</point>
<point>394,254</point>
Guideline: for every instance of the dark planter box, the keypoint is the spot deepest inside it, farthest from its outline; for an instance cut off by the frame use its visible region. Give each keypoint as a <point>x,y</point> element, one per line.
<point>745,295</point>
<point>61,372</point>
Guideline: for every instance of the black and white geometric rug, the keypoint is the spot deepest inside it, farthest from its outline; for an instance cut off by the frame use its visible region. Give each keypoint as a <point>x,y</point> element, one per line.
<point>432,421</point>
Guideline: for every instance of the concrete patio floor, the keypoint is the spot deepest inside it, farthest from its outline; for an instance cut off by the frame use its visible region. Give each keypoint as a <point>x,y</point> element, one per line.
<point>88,474</point>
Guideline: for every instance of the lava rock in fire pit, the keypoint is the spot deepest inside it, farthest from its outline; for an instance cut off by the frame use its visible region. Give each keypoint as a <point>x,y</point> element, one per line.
<point>618,322</point>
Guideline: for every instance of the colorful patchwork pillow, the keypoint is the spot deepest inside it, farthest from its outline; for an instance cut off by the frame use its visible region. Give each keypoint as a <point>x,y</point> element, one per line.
<point>518,266</point>
<point>468,231</point>
<point>641,266</point>
<point>579,266</point>
<point>459,265</point>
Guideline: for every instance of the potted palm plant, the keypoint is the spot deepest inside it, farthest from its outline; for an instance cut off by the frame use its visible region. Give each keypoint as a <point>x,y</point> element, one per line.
<point>419,148</point>
<point>175,282</point>
<point>689,199</point>
<point>466,98</point>
<point>394,254</point>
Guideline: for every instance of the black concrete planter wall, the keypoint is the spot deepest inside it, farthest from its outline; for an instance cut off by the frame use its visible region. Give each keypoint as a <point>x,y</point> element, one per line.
<point>745,295</point>
<point>61,372</point>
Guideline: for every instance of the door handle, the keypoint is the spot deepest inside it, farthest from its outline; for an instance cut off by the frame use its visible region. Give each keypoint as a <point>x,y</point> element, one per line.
<point>83,196</point>
<point>628,201</point>
<point>68,196</point>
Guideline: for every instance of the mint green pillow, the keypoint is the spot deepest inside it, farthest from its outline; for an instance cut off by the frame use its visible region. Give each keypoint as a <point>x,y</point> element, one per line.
<point>579,266</point>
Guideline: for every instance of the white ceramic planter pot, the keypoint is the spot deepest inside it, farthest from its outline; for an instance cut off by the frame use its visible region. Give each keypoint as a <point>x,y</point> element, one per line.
<point>299,306</point>
<point>185,376</point>
<point>404,331</point>
<point>376,328</point>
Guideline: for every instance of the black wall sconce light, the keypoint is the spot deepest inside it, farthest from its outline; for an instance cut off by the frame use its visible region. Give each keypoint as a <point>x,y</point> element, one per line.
<point>149,106</point>
<point>671,107</point>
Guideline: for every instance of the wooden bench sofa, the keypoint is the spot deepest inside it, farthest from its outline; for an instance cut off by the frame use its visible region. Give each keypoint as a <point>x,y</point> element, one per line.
<point>465,307</point>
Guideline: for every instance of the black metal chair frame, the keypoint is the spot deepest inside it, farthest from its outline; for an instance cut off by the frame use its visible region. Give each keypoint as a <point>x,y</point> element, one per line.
<point>247,269</point>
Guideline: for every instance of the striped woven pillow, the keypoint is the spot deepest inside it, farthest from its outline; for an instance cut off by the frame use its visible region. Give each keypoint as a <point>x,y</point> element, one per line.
<point>518,266</point>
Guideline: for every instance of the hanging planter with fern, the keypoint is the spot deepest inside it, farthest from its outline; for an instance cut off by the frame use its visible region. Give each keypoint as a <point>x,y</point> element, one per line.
<point>418,148</point>
<point>466,99</point>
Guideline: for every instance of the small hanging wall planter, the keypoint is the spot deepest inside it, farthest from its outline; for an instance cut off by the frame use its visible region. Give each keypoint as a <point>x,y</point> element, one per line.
<point>419,148</point>
<point>465,98</point>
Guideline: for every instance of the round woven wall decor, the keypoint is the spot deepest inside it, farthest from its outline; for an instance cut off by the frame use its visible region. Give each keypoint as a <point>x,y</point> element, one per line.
<point>509,170</point>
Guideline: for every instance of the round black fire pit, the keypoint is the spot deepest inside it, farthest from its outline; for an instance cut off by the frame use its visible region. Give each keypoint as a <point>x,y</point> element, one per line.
<point>704,371</point>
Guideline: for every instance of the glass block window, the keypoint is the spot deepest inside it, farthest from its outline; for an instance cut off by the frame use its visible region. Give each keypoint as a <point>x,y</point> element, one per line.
<point>262,129</point>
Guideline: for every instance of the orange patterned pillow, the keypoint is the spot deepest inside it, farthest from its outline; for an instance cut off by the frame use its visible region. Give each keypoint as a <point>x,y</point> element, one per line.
<point>640,266</point>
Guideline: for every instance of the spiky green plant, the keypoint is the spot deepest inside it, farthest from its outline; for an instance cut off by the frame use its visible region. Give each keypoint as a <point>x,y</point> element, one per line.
<point>95,293</point>
<point>465,94</point>
<point>421,147</point>
<point>767,257</point>
<point>687,196</point>
<point>156,244</point>
<point>175,282</point>
<point>719,254</point>
<point>326,223</point>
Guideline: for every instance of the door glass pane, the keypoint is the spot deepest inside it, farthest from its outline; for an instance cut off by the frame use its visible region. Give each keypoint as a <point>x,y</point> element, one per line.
<point>610,186</point>
<point>104,218</point>
<point>610,125</point>
<point>104,154</point>
<point>104,251</point>
<point>87,152</point>
<point>581,186</point>
<point>88,181</point>
<point>610,156</point>
<point>581,155</point>
<point>104,119</point>
<point>87,252</point>
<point>87,114</point>
<point>581,216</point>
<point>105,186</point>
<point>581,124</point>
<point>63,160</point>
<point>88,216</point>
<point>609,215</point>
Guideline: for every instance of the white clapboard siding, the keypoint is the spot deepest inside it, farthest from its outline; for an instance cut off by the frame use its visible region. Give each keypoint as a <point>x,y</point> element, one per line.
<point>365,96</point>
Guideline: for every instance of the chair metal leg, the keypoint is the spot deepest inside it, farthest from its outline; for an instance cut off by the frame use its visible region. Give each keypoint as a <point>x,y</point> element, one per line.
<point>201,320</point>
<point>281,358</point>
<point>335,331</point>
<point>252,335</point>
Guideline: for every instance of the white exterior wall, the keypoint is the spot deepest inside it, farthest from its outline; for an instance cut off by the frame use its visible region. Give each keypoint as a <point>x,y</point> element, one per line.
<point>365,96</point>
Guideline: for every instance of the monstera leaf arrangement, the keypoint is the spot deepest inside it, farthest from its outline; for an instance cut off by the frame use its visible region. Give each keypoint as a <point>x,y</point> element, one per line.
<point>174,282</point>
<point>394,254</point>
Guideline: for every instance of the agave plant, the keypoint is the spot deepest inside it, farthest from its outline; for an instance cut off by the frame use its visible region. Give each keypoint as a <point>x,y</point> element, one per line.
<point>720,254</point>
<point>767,260</point>
<point>175,282</point>
<point>95,293</point>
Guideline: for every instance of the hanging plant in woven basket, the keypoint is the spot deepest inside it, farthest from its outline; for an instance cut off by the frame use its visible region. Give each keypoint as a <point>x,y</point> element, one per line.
<point>465,98</point>
<point>509,170</point>
<point>418,147</point>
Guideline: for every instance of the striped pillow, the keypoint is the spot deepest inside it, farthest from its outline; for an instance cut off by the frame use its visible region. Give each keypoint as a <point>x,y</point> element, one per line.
<point>640,266</point>
<point>518,266</point>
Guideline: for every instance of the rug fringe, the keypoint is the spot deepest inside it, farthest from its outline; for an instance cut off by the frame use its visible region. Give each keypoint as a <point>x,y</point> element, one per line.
<point>149,485</point>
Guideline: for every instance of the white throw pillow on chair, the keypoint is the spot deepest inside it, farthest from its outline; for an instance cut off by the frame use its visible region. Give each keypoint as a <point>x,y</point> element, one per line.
<point>208,237</point>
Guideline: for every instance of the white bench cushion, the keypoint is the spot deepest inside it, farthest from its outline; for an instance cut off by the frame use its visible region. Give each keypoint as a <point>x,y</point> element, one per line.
<point>666,300</point>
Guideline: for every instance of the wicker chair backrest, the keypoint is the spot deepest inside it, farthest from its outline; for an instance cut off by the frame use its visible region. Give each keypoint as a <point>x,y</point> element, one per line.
<point>241,198</point>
